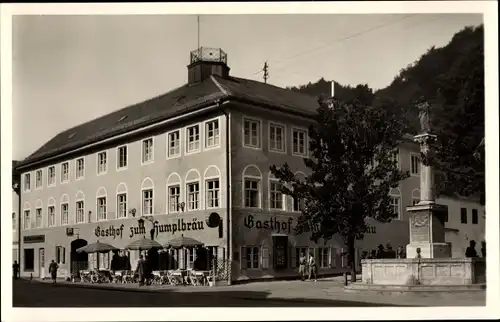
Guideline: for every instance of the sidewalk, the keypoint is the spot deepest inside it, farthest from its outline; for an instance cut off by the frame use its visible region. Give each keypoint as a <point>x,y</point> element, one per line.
<point>323,289</point>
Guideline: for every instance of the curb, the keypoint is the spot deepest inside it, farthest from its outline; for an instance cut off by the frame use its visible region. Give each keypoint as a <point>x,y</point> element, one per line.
<point>408,289</point>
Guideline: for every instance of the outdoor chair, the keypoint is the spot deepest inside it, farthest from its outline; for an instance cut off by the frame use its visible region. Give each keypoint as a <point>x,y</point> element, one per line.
<point>156,277</point>
<point>85,277</point>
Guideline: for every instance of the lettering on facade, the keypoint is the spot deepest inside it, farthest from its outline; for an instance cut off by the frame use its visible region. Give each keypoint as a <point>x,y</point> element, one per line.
<point>33,239</point>
<point>179,226</point>
<point>111,231</point>
<point>272,224</point>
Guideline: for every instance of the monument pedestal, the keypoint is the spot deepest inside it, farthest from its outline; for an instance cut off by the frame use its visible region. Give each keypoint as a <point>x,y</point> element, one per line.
<point>427,231</point>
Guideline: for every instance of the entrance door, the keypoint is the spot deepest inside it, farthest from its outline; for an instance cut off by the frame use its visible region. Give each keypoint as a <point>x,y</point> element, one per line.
<point>280,244</point>
<point>41,262</point>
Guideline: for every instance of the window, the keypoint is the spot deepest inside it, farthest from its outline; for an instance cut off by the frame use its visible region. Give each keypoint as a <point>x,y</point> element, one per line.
<point>38,179</point>
<point>147,202</point>
<point>80,168</point>
<point>174,194</point>
<point>251,256</point>
<point>299,142</point>
<point>60,255</point>
<point>252,193</point>
<point>122,158</point>
<point>101,208</point>
<point>64,214</point>
<point>27,182</point>
<point>298,252</point>
<point>212,134</point>
<point>14,221</point>
<point>29,259</point>
<point>80,215</point>
<point>251,133</point>
<point>298,204</point>
<point>147,150</point>
<point>463,215</point>
<point>102,162</point>
<point>38,218</point>
<point>395,202</point>
<point>276,138</point>
<point>122,205</point>
<point>27,220</point>
<point>323,257</point>
<point>213,193</point>
<point>415,164</point>
<point>193,136</point>
<point>51,176</point>
<point>276,196</point>
<point>65,172</point>
<point>394,157</point>
<point>174,144</point>
<point>52,216</point>
<point>474,217</point>
<point>193,190</point>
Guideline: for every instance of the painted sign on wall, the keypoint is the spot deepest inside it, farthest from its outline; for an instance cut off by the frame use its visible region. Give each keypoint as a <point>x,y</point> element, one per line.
<point>280,226</point>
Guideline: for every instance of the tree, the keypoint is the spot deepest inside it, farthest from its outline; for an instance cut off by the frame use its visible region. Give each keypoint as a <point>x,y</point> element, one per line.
<point>351,171</point>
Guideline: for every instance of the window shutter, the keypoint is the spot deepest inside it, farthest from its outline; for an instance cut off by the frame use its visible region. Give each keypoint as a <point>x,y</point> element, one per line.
<point>332,258</point>
<point>57,254</point>
<point>63,255</point>
<point>243,258</point>
<point>294,256</point>
<point>265,257</point>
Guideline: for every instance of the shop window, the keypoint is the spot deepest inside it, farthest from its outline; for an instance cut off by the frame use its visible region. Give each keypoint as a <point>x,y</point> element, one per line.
<point>29,259</point>
<point>250,257</point>
<point>323,254</point>
<point>60,255</point>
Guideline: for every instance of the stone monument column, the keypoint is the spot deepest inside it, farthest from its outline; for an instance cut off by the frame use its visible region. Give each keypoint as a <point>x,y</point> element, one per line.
<point>427,217</point>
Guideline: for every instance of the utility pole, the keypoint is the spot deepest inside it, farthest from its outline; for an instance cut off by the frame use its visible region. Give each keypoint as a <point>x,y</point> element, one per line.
<point>266,73</point>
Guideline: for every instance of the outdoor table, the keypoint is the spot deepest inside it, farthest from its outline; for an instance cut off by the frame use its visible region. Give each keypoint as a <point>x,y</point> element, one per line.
<point>179,276</point>
<point>204,275</point>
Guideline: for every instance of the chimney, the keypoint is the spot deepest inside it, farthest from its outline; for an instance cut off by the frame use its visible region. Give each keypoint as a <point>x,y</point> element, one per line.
<point>205,62</point>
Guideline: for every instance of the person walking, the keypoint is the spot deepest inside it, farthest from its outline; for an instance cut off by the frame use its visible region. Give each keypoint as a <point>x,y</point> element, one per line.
<point>302,266</point>
<point>141,270</point>
<point>15,270</point>
<point>312,268</point>
<point>53,271</point>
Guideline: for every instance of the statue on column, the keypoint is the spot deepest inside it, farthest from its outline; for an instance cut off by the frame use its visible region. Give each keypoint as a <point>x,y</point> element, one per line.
<point>423,114</point>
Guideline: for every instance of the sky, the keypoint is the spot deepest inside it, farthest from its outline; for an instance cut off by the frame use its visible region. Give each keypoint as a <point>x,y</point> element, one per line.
<point>67,70</point>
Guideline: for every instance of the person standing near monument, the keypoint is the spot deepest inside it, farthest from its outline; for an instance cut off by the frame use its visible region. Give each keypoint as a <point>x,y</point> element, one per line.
<point>471,250</point>
<point>312,268</point>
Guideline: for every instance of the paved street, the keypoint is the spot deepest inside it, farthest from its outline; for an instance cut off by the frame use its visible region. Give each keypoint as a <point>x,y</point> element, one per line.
<point>324,293</point>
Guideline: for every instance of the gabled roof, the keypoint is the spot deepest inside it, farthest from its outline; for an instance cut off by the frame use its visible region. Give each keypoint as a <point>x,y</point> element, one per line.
<point>179,101</point>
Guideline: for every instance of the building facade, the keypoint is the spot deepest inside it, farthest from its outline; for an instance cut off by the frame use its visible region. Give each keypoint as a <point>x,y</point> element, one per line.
<point>176,159</point>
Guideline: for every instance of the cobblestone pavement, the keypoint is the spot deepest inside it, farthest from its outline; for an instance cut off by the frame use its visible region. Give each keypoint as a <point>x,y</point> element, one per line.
<point>330,289</point>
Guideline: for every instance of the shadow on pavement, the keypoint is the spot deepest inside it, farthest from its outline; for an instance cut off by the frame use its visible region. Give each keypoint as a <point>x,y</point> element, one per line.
<point>35,294</point>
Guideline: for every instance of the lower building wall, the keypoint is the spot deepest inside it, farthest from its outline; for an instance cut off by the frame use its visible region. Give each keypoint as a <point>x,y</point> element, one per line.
<point>47,244</point>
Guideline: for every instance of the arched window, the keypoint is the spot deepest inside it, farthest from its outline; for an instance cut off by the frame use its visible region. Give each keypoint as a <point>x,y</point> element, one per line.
<point>102,203</point>
<point>80,208</point>
<point>298,204</point>
<point>147,197</point>
<point>26,216</point>
<point>415,196</point>
<point>121,200</point>
<point>275,196</point>
<point>38,214</point>
<point>395,195</point>
<point>51,212</point>
<point>64,209</point>
<point>193,190</point>
<point>212,179</point>
<point>173,193</point>
<point>252,187</point>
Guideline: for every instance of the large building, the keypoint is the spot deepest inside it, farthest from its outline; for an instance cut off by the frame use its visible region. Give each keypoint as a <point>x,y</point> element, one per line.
<point>173,160</point>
